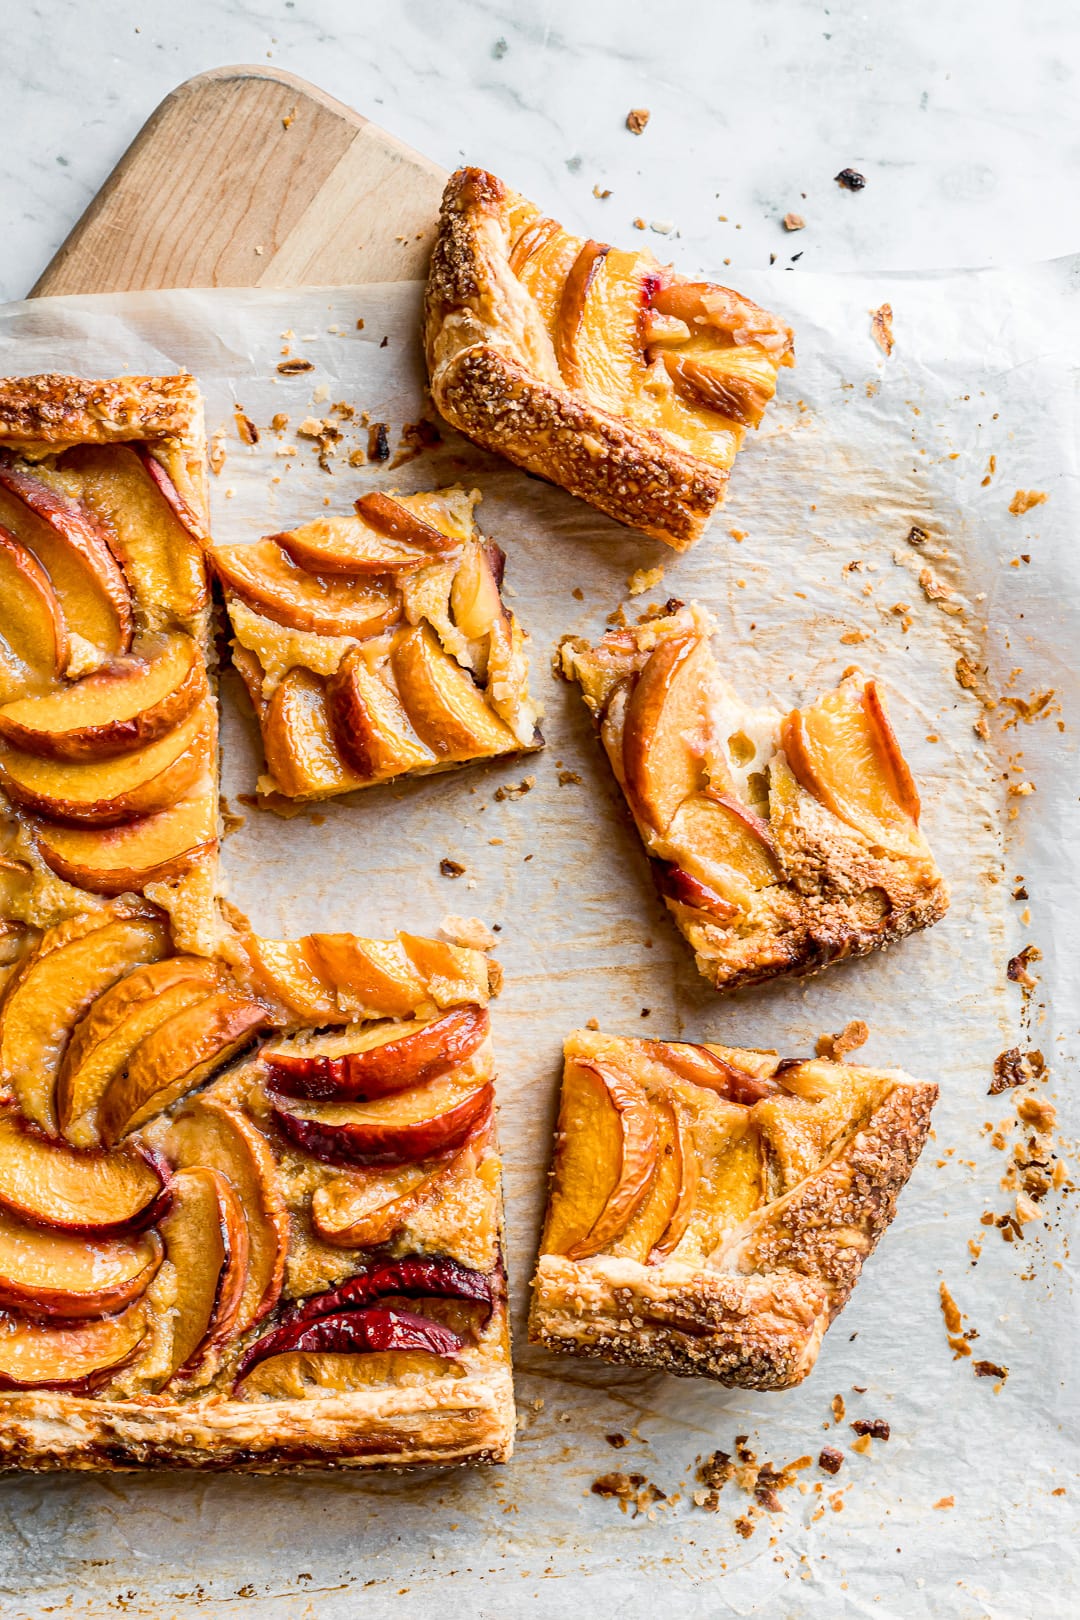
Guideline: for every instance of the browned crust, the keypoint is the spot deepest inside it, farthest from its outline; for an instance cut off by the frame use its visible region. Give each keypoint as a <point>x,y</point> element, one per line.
<point>486,382</point>
<point>756,1315</point>
<point>51,410</point>
<point>630,473</point>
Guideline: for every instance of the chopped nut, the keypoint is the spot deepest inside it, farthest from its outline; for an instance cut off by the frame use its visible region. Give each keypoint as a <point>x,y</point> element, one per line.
<point>793,222</point>
<point>245,427</point>
<point>830,1459</point>
<point>450,869</point>
<point>877,1428</point>
<point>526,785</point>
<point>291,368</point>
<point>1008,1071</point>
<point>850,179</point>
<point>989,1369</point>
<point>617,1440</point>
<point>617,1484</point>
<point>468,931</point>
<point>278,421</point>
<point>1017,969</point>
<point>1026,1208</point>
<point>636,119</point>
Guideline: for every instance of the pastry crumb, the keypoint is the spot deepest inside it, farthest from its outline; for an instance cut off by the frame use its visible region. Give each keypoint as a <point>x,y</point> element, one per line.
<point>601,192</point>
<point>881,328</point>
<point>451,869</point>
<point>644,579</point>
<point>855,1033</point>
<point>470,932</point>
<point>793,222</point>
<point>567,778</point>
<point>830,1459</point>
<point>1025,499</point>
<point>292,368</point>
<point>526,785</point>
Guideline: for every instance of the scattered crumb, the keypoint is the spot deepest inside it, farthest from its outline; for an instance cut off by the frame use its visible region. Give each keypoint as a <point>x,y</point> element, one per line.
<point>639,224</point>
<point>416,437</point>
<point>876,1428</point>
<point>526,785</point>
<point>830,1459</point>
<point>617,1440</point>
<point>279,420</point>
<point>636,120</point>
<point>1025,499</point>
<point>216,452</point>
<point>245,427</point>
<point>793,222</point>
<point>567,778</point>
<point>1017,969</point>
<point>230,820</point>
<point>1011,1068</point>
<point>1027,1209</point>
<point>854,1034</point>
<point>600,192</point>
<point>933,588</point>
<point>378,446</point>
<point>945,1502</point>
<point>311,427</point>
<point>644,579</point>
<point>468,931</point>
<point>850,179</point>
<point>1036,1111</point>
<point>864,1445</point>
<point>917,536</point>
<point>451,869</point>
<point>286,122</point>
<point>593,1023</point>
<point>954,1321</point>
<point>881,328</point>
<point>989,1369</point>
<point>838,1408</point>
<point>291,368</point>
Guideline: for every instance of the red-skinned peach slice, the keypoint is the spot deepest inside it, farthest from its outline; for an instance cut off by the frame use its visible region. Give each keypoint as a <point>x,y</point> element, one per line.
<point>639,1149</point>
<point>97,1193</point>
<point>76,1356</point>
<point>739,395</point>
<point>206,1240</point>
<point>428,1120</point>
<point>366,1209</point>
<point>404,1056</point>
<point>119,860</point>
<point>302,755</point>
<point>447,709</point>
<point>265,577</point>
<point>177,1057</point>
<point>103,1042</point>
<point>49,1274</point>
<point>371,977</point>
<point>474,596</point>
<point>154,533</point>
<point>664,737</point>
<point>75,553</point>
<point>704,304</point>
<point>211,1134</point>
<point>730,832</point>
<point>383,538</point>
<point>656,1211</point>
<point>106,792</point>
<point>397,522</point>
<point>689,1174</point>
<point>372,731</point>
<point>76,962</point>
<point>127,704</point>
<point>33,625</point>
<point>676,884</point>
<point>355,1332</point>
<point>705,1068</point>
<point>571,308</point>
<point>840,752</point>
<point>605,1159</point>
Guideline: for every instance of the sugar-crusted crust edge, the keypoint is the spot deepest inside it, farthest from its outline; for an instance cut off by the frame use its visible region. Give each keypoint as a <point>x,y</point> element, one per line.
<point>486,381</point>
<point>755,1317</point>
<point>52,410</point>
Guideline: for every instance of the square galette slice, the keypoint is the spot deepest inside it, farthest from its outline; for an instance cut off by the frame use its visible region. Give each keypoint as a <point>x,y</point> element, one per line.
<point>377,645</point>
<point>711,1209</point>
<point>780,843</point>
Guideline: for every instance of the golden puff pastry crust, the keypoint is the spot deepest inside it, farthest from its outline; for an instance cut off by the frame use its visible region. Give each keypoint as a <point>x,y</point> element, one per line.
<point>780,844</point>
<point>598,369</point>
<point>732,1265</point>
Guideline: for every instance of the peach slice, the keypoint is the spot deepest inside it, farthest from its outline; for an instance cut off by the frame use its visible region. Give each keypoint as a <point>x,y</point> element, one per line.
<point>609,346</point>
<point>210,1134</point>
<point>378,1328</point>
<point>287,970</point>
<point>817,1104</point>
<point>268,580</point>
<point>176,1057</point>
<point>844,751</point>
<point>370,726</point>
<point>689,1174</point>
<point>395,520</point>
<point>298,739</point>
<point>606,1151</point>
<point>76,962</point>
<point>72,548</point>
<point>719,829</point>
<point>705,1068</point>
<point>735,383</point>
<point>446,708</point>
<point>680,886</point>
<point>427,1120</point>
<point>294,1376</point>
<point>451,973</point>
<point>665,732</point>
<point>654,1217</point>
<point>126,704</point>
<point>532,239</point>
<point>370,976</point>
<point>206,1240</point>
<point>103,793</point>
<point>96,1193</point>
<point>46,1273</point>
<point>78,1356</point>
<point>151,528</point>
<point>383,1060</point>
<point>102,1044</point>
<point>119,860</point>
<point>737,321</point>
<point>365,1210</point>
<point>33,626</point>
<point>568,321</point>
<point>474,595</point>
<point>383,538</point>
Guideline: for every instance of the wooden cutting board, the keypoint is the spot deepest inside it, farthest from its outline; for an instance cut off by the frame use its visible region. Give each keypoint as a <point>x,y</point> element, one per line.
<point>250,177</point>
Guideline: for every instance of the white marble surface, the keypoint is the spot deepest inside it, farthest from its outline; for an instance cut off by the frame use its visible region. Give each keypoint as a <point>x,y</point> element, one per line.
<point>961,116</point>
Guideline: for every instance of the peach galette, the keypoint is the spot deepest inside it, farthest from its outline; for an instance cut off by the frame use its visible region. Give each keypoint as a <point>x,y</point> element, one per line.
<point>377,645</point>
<point>598,368</point>
<point>780,843</point>
<point>249,1188</point>
<point>710,1208</point>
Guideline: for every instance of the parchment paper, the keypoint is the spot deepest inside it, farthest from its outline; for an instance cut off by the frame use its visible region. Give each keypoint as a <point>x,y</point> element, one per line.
<point>969,1509</point>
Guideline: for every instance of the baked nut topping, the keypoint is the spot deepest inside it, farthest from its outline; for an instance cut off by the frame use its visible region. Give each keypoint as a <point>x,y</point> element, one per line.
<point>377,645</point>
<point>598,368</point>
<point>779,843</point>
<point>711,1208</point>
<point>250,1210</point>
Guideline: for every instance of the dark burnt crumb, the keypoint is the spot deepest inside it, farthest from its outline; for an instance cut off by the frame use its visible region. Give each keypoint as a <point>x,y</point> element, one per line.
<point>1008,1071</point>
<point>245,427</point>
<point>716,1470</point>
<point>567,778</point>
<point>765,1489</point>
<point>636,120</point>
<point>360,323</point>
<point>745,1527</point>
<point>742,1450</point>
<point>384,342</point>
<point>850,179</point>
<point>617,1484</point>
<point>617,1440</point>
<point>989,1369</point>
<point>709,1500</point>
<point>292,368</point>
<point>526,785</point>
<point>1017,969</point>
<point>646,1012</point>
<point>876,1428</point>
<point>378,442</point>
<point>1020,893</point>
<point>578,594</point>
<point>917,536</point>
<point>416,437</point>
<point>451,869</point>
<point>830,1459</point>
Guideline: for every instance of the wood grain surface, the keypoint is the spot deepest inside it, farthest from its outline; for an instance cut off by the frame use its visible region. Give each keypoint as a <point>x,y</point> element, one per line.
<point>250,177</point>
